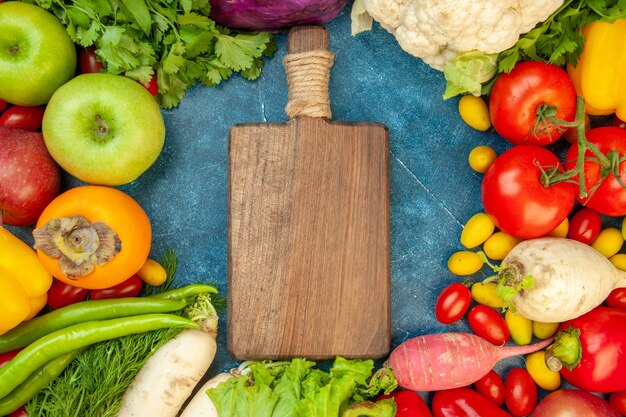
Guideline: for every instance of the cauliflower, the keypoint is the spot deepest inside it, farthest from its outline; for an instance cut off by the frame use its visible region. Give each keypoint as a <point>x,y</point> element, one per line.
<point>438,31</point>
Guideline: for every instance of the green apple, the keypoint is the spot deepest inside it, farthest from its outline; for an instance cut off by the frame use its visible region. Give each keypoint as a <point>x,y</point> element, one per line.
<point>37,55</point>
<point>103,128</point>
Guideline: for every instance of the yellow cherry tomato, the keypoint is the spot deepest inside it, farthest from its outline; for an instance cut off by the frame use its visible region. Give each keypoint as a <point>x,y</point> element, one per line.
<point>152,273</point>
<point>561,230</point>
<point>544,330</point>
<point>481,158</point>
<point>608,242</point>
<point>485,293</point>
<point>520,328</point>
<point>474,112</point>
<point>619,260</point>
<point>477,229</point>
<point>499,245</point>
<point>464,263</point>
<point>624,228</point>
<point>540,373</point>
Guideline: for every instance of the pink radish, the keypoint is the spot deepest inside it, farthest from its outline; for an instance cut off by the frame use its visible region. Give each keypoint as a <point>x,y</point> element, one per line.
<point>449,360</point>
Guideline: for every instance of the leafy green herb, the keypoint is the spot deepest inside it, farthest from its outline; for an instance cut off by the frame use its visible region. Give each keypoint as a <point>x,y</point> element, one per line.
<point>295,388</point>
<point>174,39</point>
<point>557,40</point>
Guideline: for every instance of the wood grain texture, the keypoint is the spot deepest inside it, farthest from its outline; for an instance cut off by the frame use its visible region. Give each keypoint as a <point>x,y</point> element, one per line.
<point>308,240</point>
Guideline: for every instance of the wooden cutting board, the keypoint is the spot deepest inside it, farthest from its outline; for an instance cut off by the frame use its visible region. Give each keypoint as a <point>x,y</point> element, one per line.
<point>308,227</point>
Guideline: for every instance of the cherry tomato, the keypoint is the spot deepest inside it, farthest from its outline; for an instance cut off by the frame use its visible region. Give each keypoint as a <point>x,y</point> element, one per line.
<point>617,400</point>
<point>61,294</point>
<point>452,303</point>
<point>520,392</point>
<point>464,402</point>
<point>585,226</point>
<point>487,323</point>
<point>617,122</point>
<point>515,198</point>
<point>88,61</point>
<point>609,197</point>
<point>492,387</point>
<point>617,298</point>
<point>7,356</point>
<point>20,412</point>
<point>409,404</point>
<point>3,105</point>
<point>151,86</point>
<point>23,117</point>
<point>129,288</point>
<point>517,97</point>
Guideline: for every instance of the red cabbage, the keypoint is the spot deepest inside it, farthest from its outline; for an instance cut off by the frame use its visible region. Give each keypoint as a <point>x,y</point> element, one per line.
<point>273,15</point>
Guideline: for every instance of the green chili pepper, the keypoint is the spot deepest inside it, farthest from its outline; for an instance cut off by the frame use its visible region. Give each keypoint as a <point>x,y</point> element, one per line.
<point>35,383</point>
<point>31,330</point>
<point>77,336</point>
<point>187,292</point>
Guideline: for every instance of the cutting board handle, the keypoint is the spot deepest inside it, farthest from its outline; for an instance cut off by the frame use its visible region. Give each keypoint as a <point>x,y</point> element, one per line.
<point>307,64</point>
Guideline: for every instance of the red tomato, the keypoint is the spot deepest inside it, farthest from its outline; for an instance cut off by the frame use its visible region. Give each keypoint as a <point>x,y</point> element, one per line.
<point>515,198</point>
<point>609,197</point>
<point>129,288</point>
<point>452,303</point>
<point>409,404</point>
<point>573,403</point>
<point>617,400</point>
<point>151,86</point>
<point>585,226</point>
<point>517,97</point>
<point>603,342</point>
<point>23,117</point>
<point>617,298</point>
<point>7,356</point>
<point>88,61</point>
<point>20,412</point>
<point>617,122</point>
<point>464,402</point>
<point>520,392</point>
<point>3,105</point>
<point>61,294</point>
<point>492,387</point>
<point>487,323</point>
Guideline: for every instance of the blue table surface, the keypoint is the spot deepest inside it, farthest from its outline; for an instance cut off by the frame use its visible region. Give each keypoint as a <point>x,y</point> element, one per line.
<point>433,189</point>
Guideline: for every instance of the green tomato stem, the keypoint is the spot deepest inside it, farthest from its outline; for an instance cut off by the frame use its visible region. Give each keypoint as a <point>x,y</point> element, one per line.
<point>565,351</point>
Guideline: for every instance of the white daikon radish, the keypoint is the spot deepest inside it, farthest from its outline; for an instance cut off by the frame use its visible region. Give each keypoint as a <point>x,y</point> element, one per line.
<point>169,376</point>
<point>201,405</point>
<point>569,279</point>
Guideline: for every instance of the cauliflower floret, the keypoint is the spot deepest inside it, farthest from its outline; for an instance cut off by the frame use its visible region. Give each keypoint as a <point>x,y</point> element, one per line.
<point>437,31</point>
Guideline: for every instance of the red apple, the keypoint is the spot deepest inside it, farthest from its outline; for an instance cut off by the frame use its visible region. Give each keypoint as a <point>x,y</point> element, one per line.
<point>29,177</point>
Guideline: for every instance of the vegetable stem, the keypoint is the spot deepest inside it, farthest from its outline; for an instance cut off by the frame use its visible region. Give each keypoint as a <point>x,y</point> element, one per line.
<point>565,351</point>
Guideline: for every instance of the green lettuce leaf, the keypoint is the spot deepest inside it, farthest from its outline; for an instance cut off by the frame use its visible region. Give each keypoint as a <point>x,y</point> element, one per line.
<point>468,72</point>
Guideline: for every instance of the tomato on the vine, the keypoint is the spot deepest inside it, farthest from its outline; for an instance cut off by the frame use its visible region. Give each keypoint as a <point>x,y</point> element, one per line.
<point>452,303</point>
<point>61,294</point>
<point>409,404</point>
<point>23,117</point>
<point>520,392</point>
<point>487,323</point>
<point>605,192</point>
<point>129,288</point>
<point>585,225</point>
<point>88,61</point>
<point>492,387</point>
<point>524,103</point>
<point>514,196</point>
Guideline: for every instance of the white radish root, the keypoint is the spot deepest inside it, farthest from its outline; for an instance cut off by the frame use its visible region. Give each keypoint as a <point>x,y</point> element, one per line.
<point>201,405</point>
<point>168,378</point>
<point>569,278</point>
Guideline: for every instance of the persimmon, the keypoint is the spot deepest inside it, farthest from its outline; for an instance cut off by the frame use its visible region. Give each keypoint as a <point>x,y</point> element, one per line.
<point>93,237</point>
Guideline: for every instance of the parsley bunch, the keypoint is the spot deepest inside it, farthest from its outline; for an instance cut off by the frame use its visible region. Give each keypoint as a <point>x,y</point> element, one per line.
<point>174,39</point>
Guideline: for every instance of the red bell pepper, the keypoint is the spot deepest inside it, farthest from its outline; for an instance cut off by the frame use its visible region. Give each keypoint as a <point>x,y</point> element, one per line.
<point>591,350</point>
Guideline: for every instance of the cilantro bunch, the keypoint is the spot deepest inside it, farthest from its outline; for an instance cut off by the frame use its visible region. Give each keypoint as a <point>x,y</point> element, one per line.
<point>174,39</point>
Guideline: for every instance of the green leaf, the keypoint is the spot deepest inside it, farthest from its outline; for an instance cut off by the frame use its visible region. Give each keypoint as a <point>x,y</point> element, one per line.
<point>90,36</point>
<point>468,72</point>
<point>138,11</point>
<point>238,52</point>
<point>197,41</point>
<point>142,74</point>
<point>78,17</point>
<point>254,71</point>
<point>194,19</point>
<point>174,60</point>
<point>171,89</point>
